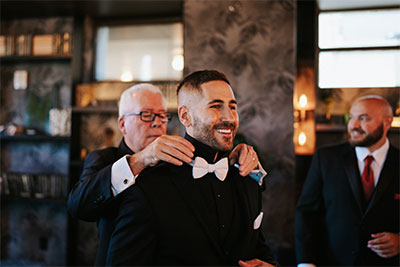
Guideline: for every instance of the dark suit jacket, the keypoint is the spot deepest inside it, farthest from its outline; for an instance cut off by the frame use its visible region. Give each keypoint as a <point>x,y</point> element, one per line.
<point>333,222</point>
<point>163,220</point>
<point>91,198</point>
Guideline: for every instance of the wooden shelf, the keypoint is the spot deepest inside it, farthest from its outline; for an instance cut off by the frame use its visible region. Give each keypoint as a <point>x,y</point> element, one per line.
<point>34,138</point>
<point>26,59</point>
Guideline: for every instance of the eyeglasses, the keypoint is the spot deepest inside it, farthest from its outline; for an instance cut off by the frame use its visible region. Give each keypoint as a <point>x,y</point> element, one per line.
<point>149,116</point>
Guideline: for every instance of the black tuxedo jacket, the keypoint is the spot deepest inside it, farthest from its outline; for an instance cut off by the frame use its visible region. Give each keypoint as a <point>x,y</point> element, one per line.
<point>91,198</point>
<point>333,221</point>
<point>164,220</point>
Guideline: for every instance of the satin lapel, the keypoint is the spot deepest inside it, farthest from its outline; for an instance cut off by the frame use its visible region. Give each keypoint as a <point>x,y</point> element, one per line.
<point>385,177</point>
<point>193,198</point>
<point>350,165</point>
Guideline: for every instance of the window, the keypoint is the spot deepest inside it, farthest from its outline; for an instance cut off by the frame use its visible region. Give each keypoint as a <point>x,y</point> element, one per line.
<point>359,49</point>
<point>139,52</point>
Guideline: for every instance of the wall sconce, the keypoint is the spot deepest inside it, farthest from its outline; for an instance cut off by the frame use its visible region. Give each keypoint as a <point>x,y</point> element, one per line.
<point>304,106</point>
<point>304,137</point>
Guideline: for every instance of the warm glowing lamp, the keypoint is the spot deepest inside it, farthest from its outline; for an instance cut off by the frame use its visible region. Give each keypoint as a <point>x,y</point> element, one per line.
<point>303,93</point>
<point>304,105</point>
<point>304,137</point>
<point>303,101</point>
<point>177,63</point>
<point>126,76</point>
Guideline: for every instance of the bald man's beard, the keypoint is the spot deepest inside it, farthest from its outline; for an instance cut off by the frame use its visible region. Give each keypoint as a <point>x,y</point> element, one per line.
<point>370,139</point>
<point>206,134</point>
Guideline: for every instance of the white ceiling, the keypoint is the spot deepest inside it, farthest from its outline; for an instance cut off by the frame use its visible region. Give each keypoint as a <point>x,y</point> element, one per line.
<point>351,4</point>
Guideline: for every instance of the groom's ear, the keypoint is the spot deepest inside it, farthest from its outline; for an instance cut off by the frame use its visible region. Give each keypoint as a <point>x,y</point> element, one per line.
<point>184,116</point>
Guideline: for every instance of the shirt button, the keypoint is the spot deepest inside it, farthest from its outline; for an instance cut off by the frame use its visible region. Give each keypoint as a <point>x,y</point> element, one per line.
<point>126,181</point>
<point>218,195</point>
<point>223,226</point>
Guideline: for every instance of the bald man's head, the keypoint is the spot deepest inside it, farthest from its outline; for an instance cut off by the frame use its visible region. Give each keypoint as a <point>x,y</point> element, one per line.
<point>378,102</point>
<point>370,118</point>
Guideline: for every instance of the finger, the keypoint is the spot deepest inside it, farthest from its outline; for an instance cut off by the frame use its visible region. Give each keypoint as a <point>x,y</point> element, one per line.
<point>172,145</point>
<point>382,249</point>
<point>382,245</point>
<point>169,151</point>
<point>243,154</point>
<point>185,142</point>
<point>250,263</point>
<point>251,163</point>
<point>174,140</point>
<point>378,240</point>
<point>377,235</point>
<point>233,156</point>
<point>386,255</point>
<point>167,158</point>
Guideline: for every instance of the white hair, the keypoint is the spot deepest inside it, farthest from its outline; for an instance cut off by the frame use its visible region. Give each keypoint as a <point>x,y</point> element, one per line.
<point>125,100</point>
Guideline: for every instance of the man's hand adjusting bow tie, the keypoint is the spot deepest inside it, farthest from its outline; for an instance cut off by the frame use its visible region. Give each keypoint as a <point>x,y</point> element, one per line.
<point>201,168</point>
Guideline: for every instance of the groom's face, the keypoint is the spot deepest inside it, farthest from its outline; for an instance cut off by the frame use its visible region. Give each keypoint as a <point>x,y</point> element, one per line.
<point>214,116</point>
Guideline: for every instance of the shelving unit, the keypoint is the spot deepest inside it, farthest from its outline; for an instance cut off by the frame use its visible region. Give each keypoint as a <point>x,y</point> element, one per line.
<point>34,138</point>
<point>30,59</point>
<point>36,167</point>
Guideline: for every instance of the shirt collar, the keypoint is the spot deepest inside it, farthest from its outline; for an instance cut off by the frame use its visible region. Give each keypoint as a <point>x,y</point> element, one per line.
<point>379,154</point>
<point>205,151</point>
<point>124,147</point>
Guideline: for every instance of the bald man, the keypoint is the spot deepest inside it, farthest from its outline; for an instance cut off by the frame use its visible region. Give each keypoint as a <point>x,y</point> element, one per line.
<point>348,212</point>
<point>108,172</point>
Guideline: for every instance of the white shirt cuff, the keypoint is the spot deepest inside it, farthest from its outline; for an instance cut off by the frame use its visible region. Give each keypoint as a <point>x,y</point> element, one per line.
<point>306,265</point>
<point>260,173</point>
<point>121,175</point>
<point>257,175</point>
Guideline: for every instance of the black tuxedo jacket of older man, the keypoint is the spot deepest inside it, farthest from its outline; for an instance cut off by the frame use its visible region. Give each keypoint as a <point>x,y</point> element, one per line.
<point>91,198</point>
<point>333,221</point>
<point>169,218</point>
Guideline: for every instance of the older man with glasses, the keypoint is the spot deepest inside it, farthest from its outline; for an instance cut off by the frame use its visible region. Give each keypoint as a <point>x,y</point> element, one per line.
<point>143,119</point>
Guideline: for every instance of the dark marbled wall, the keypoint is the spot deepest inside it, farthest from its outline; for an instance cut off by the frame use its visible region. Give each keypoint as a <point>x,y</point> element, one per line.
<point>253,43</point>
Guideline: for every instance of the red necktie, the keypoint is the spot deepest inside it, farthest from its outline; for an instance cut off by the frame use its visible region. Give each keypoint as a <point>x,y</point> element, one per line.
<point>367,178</point>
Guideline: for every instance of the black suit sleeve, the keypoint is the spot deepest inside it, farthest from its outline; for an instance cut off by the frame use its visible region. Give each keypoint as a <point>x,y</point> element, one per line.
<point>91,196</point>
<point>134,241</point>
<point>263,252</point>
<point>310,215</point>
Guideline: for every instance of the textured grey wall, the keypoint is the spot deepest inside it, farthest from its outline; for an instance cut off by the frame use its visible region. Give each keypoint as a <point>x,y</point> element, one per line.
<point>253,43</point>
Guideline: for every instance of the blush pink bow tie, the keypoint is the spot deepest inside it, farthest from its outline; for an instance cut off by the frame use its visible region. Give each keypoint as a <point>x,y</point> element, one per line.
<point>201,168</point>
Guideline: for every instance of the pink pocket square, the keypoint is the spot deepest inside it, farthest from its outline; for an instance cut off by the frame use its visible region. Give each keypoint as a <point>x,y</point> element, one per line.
<point>396,196</point>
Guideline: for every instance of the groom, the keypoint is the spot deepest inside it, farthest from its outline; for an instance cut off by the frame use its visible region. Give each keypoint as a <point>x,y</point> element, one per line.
<point>204,213</point>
